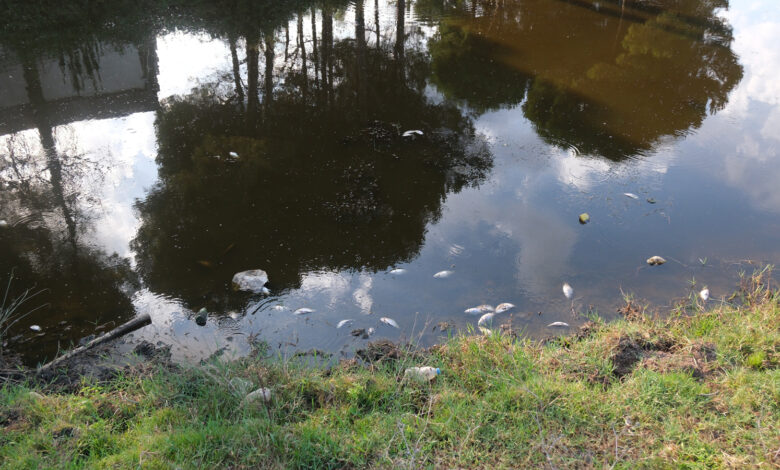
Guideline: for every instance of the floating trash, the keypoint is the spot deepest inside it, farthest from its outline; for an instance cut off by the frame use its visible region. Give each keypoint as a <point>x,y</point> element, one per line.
<point>485,319</point>
<point>253,280</point>
<point>505,307</point>
<point>344,322</point>
<point>303,311</point>
<point>584,218</point>
<point>558,323</point>
<point>35,328</point>
<point>443,274</point>
<point>479,310</point>
<point>201,317</point>
<point>398,271</point>
<point>567,290</point>
<point>412,132</point>
<point>655,261</point>
<point>651,200</point>
<point>631,195</point>
<point>704,294</point>
<point>389,321</point>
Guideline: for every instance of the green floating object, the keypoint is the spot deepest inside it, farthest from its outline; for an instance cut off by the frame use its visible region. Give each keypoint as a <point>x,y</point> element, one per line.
<point>201,316</point>
<point>651,200</point>
<point>584,218</point>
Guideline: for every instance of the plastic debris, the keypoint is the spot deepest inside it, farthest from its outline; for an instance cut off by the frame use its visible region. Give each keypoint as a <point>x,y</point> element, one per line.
<point>505,307</point>
<point>343,322</point>
<point>253,280</point>
<point>567,290</point>
<point>559,323</point>
<point>443,274</point>
<point>389,321</point>
<point>584,218</point>
<point>704,294</point>
<point>423,374</point>
<point>655,261</point>
<point>303,311</point>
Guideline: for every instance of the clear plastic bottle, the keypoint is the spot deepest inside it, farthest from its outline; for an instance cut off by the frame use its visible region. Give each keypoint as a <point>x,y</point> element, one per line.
<point>422,373</point>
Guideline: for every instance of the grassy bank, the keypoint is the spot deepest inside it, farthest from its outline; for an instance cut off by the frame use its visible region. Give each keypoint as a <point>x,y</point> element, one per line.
<point>692,391</point>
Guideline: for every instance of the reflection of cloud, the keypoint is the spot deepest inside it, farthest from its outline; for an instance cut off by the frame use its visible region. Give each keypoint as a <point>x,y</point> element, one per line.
<point>361,295</point>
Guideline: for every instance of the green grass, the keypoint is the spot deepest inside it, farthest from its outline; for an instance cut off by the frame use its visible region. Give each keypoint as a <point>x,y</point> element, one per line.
<point>704,394</point>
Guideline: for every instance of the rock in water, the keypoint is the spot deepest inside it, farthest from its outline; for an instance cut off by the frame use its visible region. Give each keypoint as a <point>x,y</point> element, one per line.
<point>262,394</point>
<point>655,261</point>
<point>253,280</point>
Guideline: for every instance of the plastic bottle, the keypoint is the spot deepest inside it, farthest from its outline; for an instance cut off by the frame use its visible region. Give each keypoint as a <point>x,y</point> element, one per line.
<point>422,373</point>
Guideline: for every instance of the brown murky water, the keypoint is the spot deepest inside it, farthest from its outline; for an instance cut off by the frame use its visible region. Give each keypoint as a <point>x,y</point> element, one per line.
<point>150,153</point>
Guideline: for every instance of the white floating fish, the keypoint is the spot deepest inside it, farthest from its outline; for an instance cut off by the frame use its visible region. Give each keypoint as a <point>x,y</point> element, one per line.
<point>485,331</point>
<point>303,311</point>
<point>505,307</point>
<point>479,309</point>
<point>558,323</point>
<point>655,261</point>
<point>265,291</point>
<point>567,290</point>
<point>398,271</point>
<point>443,274</point>
<point>3,223</point>
<point>631,195</point>
<point>234,315</point>
<point>370,331</point>
<point>412,132</point>
<point>486,318</point>
<point>343,322</point>
<point>704,294</point>
<point>278,308</point>
<point>233,155</point>
<point>389,321</point>
<point>35,328</point>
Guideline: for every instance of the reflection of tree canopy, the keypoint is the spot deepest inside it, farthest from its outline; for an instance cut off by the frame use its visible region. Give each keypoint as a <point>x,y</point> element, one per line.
<point>607,78</point>
<point>324,179</point>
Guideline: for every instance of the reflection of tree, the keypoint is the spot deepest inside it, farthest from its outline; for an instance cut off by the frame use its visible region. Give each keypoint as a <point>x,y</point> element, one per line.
<point>323,180</point>
<point>607,78</point>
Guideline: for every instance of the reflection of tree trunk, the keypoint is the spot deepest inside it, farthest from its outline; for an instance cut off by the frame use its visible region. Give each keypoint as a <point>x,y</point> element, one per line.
<point>268,96</point>
<point>314,58</point>
<point>253,72</point>
<point>360,69</point>
<point>400,38</point>
<point>327,51</point>
<point>286,42</point>
<point>35,96</point>
<point>376,22</point>
<point>304,68</point>
<point>236,72</point>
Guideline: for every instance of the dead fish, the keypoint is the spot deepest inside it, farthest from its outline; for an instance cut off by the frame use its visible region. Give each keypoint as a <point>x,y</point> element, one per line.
<point>233,155</point>
<point>265,291</point>
<point>655,261</point>
<point>343,322</point>
<point>370,331</point>
<point>567,290</point>
<point>35,328</point>
<point>303,311</point>
<point>505,307</point>
<point>559,323</point>
<point>412,132</point>
<point>443,274</point>
<point>278,308</point>
<point>631,195</point>
<point>234,315</point>
<point>3,223</point>
<point>485,331</point>
<point>704,294</point>
<point>397,271</point>
<point>389,321</point>
<point>486,318</point>
<point>479,309</point>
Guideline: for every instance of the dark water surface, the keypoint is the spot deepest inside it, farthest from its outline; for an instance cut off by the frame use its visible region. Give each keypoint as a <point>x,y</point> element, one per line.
<point>121,197</point>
